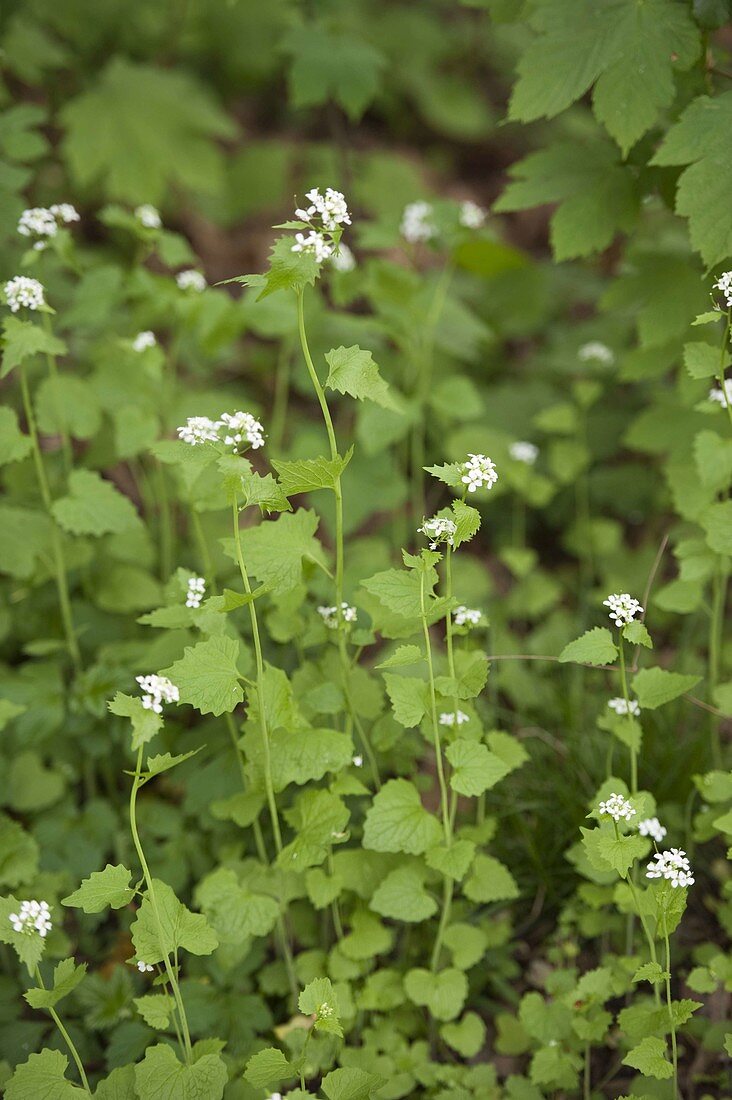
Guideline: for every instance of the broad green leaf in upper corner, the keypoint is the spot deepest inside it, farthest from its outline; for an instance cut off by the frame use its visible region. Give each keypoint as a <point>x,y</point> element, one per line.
<point>160,1076</point>
<point>66,976</point>
<point>94,507</point>
<point>332,65</point>
<point>475,768</point>
<point>21,339</point>
<point>42,1077</point>
<point>655,686</point>
<point>354,371</point>
<point>274,550</point>
<point>309,474</point>
<point>594,647</point>
<point>398,822</point>
<point>178,927</point>
<point>597,196</point>
<point>207,677</point>
<point>145,722</point>
<point>110,887</point>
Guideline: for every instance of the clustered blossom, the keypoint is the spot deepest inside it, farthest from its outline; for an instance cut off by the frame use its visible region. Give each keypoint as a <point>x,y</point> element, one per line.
<point>33,916</point>
<point>454,718</point>
<point>144,340</point>
<point>148,216</point>
<point>479,472</point>
<point>157,690</point>
<point>196,591</point>
<point>673,866</point>
<point>315,243</point>
<point>723,397</point>
<point>43,222</point>
<point>190,279</point>
<point>652,827</point>
<point>326,215</point>
<point>620,706</point>
<point>144,967</point>
<point>21,291</point>
<point>623,608</point>
<point>331,209</point>
<point>343,259</point>
<point>471,216</point>
<point>438,529</point>
<point>467,616</point>
<point>724,284</point>
<point>231,429</point>
<point>329,615</point>
<point>357,761</point>
<point>416,224</point>
<point>522,451</point>
<point>596,351</point>
<point>617,807</point>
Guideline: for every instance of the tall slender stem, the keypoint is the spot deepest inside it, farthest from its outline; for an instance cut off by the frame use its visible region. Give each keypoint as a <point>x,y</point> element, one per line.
<point>66,1037</point>
<point>62,583</point>
<point>626,697</point>
<point>721,366</point>
<point>53,376</point>
<point>669,1003</point>
<point>182,1019</point>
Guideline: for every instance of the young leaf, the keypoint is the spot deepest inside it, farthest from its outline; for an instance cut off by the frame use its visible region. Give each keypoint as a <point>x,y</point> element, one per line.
<point>43,1076</point>
<point>402,896</point>
<point>649,1057</point>
<point>160,1076</point>
<point>108,888</point>
<point>274,550</point>
<point>594,647</point>
<point>145,722</point>
<point>207,677</point>
<point>268,1067</point>
<point>489,881</point>
<point>66,977</point>
<point>475,768</point>
<point>156,1010</point>
<point>443,994</point>
<point>177,927</point>
<point>409,698</point>
<point>22,339</point>
<point>398,822</point>
<point>353,371</point>
<point>655,686</point>
<point>318,999</point>
<point>308,475</point>
<point>350,1083</point>
<point>14,445</point>
<point>94,507</point>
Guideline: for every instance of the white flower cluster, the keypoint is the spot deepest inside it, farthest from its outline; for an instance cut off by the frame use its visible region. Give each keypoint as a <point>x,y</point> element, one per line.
<point>652,827</point>
<point>157,690</point>
<point>330,209</point>
<point>33,916</point>
<point>438,529</point>
<point>21,291</point>
<point>144,967</point>
<point>148,216</point>
<point>724,284</point>
<point>343,259</point>
<point>43,222</point>
<point>231,429</point>
<point>190,279</point>
<point>329,615</point>
<point>723,397</point>
<point>196,591</point>
<point>467,616</point>
<point>454,718</point>
<point>479,472</point>
<point>673,866</point>
<point>144,340</point>
<point>617,807</point>
<point>416,224</point>
<point>521,451</point>
<point>623,608</point>
<point>621,707</point>
<point>471,216</point>
<point>326,214</point>
<point>314,242</point>
<point>357,761</point>
<point>596,352</point>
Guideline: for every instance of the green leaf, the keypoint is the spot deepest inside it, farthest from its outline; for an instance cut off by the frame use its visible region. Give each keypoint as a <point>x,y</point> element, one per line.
<point>145,722</point>
<point>350,1083</point>
<point>177,927</point>
<point>308,475</point>
<point>160,1076</point>
<point>475,768</point>
<point>701,360</point>
<point>597,196</point>
<point>163,762</point>
<point>471,675</point>
<point>123,159</point>
<point>22,339</point>
<point>24,538</point>
<point>453,861</point>
<point>29,949</point>
<point>713,457</point>
<point>398,822</point>
<point>274,550</point>
<point>443,994</point>
<point>207,677</point>
<point>354,372</point>
<point>32,785</point>
<point>42,1078</point>
<point>332,65</point>
<point>67,404</point>
<point>637,634</point>
<point>409,698</point>
<point>717,522</point>
<point>234,911</point>
<point>649,1057</point>
<point>594,647</point>
<point>156,1010</point>
<point>94,507</point>
<point>299,756</point>
<point>268,1067</point>
<point>403,656</point>
<point>466,1036</point>
<point>14,445</point>
<point>252,490</point>
<point>110,887</point>
<point>318,999</point>
<point>66,976</point>
<point>467,522</point>
<point>288,270</point>
<point>396,589</point>
<point>402,896</point>
<point>18,854</point>
<point>655,686</point>
<point>606,850</point>
<point>489,881</point>
<point>650,972</point>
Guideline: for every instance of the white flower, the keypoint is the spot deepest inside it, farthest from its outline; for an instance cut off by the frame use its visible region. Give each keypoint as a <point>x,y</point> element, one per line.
<point>623,608</point>
<point>343,259</point>
<point>722,396</point>
<point>454,718</point>
<point>673,866</point>
<point>22,291</point>
<point>148,216</point>
<point>438,529</point>
<point>416,224</point>
<point>32,917</point>
<point>240,426</point>
<point>191,280</point>
<point>617,807</point>
<point>144,340</point>
<point>144,967</point>
<point>331,208</point>
<point>357,761</point>
<point>651,826</point>
<point>195,592</point>
<point>596,351</point>
<point>199,429</point>
<point>471,215</point>
<point>479,471</point>
<point>621,707</point>
<point>274,1096</point>
<point>37,222</point>
<point>314,243</point>
<point>157,690</point>
<point>65,212</point>
<point>466,616</point>
<point>329,615</point>
<point>724,283</point>
<point>524,452</point>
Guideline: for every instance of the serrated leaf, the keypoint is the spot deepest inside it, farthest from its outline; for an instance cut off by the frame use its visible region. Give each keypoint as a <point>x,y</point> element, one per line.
<point>717,523</point>
<point>401,896</point>
<point>145,722</point>
<point>655,686</point>
<point>453,861</point>
<point>42,1077</point>
<point>350,1083</point>
<point>23,339</point>
<point>398,822</point>
<point>66,976</point>
<point>475,768</point>
<point>606,850</point>
<point>409,698</point>
<point>467,522</point>
<point>268,1067</point>
<point>160,1076</point>
<point>156,1010</point>
<point>14,445</point>
<point>489,881</point>
<point>332,64</point>
<point>29,949</point>
<point>637,634</point>
<point>649,1057</point>
<point>354,372</point>
<point>701,360</point>
<point>274,550</point>
<point>318,999</point>
<point>310,474</point>
<point>650,972</point>
<point>207,677</point>
<point>177,927</point>
<point>443,994</point>
<point>594,647</point>
<point>94,507</point>
<point>108,888</point>
<point>403,656</point>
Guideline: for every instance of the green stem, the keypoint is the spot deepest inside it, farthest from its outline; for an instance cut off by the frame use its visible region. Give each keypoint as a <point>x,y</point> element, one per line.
<point>53,375</point>
<point>719,600</point>
<point>626,696</point>
<point>166,524</point>
<point>66,1037</point>
<point>587,1079</point>
<point>203,551</point>
<point>153,902</point>
<point>720,368</point>
<point>281,396</point>
<point>62,583</point>
<point>649,938</point>
<point>669,1003</point>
